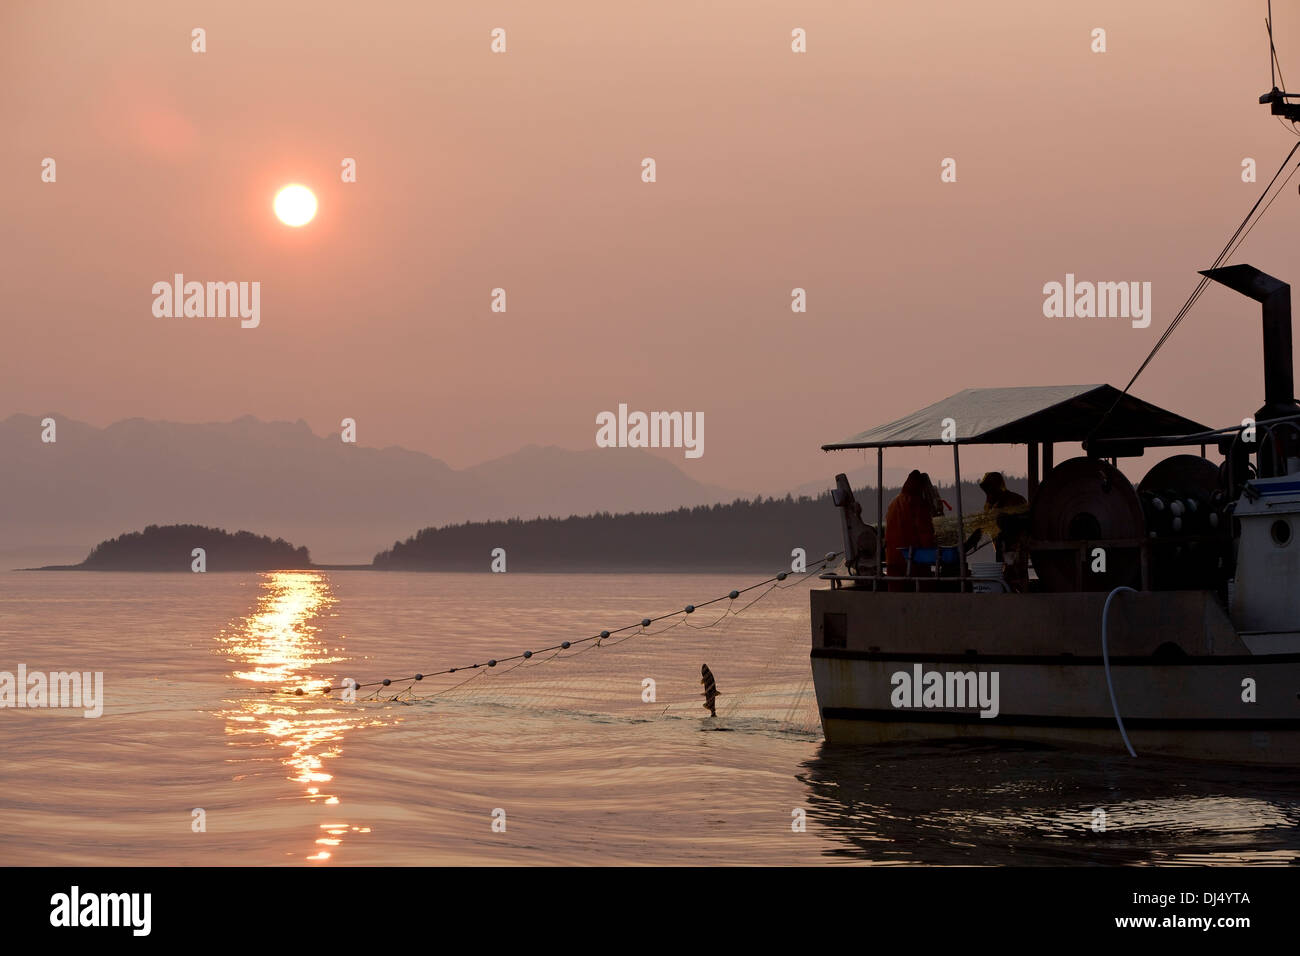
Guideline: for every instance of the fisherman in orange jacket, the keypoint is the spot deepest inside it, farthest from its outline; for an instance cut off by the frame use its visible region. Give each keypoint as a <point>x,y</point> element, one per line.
<point>909,523</point>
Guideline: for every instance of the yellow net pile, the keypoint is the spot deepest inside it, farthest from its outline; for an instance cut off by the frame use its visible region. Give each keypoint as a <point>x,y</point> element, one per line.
<point>949,533</point>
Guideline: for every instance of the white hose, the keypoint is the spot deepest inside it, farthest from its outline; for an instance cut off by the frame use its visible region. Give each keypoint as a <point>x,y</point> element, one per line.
<point>1105,659</point>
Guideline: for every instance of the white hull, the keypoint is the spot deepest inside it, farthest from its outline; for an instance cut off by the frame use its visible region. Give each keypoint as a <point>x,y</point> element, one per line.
<point>1202,694</point>
<point>1164,708</point>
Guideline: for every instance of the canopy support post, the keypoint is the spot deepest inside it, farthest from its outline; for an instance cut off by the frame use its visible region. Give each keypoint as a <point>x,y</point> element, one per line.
<point>961,523</point>
<point>1033,468</point>
<point>881,554</point>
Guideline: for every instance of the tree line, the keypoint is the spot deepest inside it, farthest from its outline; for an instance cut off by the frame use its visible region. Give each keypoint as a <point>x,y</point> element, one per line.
<point>758,534</point>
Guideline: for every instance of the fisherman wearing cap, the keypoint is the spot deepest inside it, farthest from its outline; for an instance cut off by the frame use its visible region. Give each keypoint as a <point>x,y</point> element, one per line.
<point>1003,503</point>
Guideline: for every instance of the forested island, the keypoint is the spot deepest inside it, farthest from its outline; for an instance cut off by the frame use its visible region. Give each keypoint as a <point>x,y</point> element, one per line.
<point>172,548</point>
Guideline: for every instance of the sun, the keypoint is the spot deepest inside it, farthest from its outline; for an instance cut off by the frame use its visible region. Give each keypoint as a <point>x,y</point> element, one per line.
<point>295,205</point>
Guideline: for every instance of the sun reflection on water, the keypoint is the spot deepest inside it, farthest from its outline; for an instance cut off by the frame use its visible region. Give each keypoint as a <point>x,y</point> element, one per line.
<point>278,650</point>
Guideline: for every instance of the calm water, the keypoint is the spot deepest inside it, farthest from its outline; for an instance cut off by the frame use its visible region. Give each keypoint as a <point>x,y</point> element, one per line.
<point>584,769</point>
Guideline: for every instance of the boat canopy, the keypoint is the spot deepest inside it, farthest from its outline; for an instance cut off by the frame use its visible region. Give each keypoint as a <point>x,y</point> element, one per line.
<point>1026,415</point>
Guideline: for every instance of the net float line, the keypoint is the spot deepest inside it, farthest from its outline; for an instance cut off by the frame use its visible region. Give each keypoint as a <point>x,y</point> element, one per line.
<point>595,640</point>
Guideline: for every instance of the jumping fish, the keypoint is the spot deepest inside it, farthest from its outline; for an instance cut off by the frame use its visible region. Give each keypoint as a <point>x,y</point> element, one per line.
<point>710,690</point>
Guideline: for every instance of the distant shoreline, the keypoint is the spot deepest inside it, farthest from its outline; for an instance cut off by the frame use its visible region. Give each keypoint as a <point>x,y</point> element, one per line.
<point>763,535</point>
<point>639,569</point>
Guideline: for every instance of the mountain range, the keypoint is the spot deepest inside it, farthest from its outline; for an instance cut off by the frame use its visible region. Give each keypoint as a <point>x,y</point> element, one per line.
<point>345,501</point>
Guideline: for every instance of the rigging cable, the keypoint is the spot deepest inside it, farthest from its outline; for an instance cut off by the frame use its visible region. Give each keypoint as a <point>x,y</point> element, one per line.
<point>1234,242</point>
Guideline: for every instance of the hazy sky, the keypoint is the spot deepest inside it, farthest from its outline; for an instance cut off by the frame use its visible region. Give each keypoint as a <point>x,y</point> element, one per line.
<point>522,170</point>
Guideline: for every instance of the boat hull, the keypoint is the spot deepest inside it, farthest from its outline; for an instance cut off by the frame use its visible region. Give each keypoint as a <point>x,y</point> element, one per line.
<point>906,672</point>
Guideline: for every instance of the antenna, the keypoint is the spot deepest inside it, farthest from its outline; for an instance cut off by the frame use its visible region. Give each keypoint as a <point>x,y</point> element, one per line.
<point>1276,98</point>
<point>1272,50</point>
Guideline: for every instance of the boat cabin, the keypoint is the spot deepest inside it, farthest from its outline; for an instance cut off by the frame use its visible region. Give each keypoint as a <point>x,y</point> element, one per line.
<point>1075,508</point>
<point>1086,527</point>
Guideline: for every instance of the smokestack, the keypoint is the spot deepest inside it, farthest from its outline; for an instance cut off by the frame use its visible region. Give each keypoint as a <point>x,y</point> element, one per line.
<point>1279,374</point>
<point>1275,295</point>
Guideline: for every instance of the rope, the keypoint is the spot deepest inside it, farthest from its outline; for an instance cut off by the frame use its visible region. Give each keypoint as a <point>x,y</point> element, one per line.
<point>596,640</point>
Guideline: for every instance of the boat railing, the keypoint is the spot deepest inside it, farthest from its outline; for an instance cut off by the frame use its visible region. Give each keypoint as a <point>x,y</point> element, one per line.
<point>950,579</point>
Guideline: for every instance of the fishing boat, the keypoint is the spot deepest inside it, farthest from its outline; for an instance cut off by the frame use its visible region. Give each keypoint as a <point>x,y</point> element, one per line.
<point>1161,617</point>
